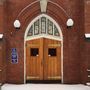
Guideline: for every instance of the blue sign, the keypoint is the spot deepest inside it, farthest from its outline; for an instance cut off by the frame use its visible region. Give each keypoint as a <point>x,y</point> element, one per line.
<point>14,56</point>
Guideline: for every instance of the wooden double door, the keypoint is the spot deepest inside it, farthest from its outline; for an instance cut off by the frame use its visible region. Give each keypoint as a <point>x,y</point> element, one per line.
<point>43,59</point>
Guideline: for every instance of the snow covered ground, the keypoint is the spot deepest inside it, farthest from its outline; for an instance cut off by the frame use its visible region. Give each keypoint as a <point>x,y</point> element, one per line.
<point>44,87</point>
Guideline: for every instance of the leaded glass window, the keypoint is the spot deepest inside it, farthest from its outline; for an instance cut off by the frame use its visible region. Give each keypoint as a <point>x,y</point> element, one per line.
<point>36,27</point>
<point>30,32</point>
<point>50,27</point>
<point>43,26</point>
<point>56,32</point>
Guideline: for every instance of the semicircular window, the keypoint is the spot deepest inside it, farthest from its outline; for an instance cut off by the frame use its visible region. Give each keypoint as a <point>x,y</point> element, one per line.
<point>43,26</point>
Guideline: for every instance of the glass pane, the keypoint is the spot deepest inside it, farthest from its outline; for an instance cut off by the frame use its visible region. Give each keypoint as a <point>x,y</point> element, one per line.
<point>30,32</point>
<point>56,32</point>
<point>43,25</point>
<point>34,51</point>
<point>52,52</point>
<point>50,27</point>
<point>36,27</point>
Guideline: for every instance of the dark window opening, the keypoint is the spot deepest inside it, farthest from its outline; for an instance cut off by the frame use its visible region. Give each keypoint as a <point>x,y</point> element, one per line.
<point>52,52</point>
<point>34,51</point>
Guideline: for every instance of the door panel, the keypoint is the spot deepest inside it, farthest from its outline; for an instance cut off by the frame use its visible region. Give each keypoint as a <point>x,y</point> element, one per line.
<point>34,69</point>
<point>52,66</point>
<point>43,59</point>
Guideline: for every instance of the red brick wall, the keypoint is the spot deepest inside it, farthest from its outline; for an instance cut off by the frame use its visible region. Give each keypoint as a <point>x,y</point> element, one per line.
<point>87,26</point>
<point>2,44</point>
<point>75,63</point>
<point>87,16</point>
<point>87,30</point>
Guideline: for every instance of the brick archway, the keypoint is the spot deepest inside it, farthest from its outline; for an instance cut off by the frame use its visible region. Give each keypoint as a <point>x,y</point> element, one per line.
<point>61,39</point>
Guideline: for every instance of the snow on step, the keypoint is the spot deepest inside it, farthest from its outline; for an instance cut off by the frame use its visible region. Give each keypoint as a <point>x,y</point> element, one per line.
<point>44,87</point>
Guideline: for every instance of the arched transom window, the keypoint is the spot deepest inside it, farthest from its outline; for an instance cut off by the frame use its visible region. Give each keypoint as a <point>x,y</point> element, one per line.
<point>43,26</point>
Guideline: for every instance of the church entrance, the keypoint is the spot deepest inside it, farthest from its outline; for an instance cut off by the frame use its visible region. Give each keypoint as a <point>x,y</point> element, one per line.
<point>43,50</point>
<point>43,59</point>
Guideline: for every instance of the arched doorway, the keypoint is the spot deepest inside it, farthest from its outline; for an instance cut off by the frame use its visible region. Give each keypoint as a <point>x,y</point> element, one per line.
<point>43,50</point>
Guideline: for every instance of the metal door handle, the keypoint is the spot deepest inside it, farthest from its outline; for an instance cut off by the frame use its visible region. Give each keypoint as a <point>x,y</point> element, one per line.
<point>49,55</point>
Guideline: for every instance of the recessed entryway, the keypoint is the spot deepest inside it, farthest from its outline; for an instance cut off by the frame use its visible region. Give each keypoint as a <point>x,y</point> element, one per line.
<point>43,50</point>
<point>43,59</point>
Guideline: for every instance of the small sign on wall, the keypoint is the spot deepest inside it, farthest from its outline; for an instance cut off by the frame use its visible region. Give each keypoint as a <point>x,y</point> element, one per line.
<point>14,56</point>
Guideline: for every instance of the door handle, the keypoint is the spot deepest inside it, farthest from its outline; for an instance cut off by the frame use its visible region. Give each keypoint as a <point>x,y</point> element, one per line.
<point>0,70</point>
<point>49,55</point>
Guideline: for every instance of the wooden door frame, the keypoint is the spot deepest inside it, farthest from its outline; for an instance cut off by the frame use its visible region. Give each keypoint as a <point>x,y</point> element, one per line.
<point>43,36</point>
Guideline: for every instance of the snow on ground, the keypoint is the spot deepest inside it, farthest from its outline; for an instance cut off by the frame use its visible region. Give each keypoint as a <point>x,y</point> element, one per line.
<point>44,87</point>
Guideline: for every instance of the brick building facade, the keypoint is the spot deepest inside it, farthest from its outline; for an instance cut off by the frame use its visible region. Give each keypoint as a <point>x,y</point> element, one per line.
<point>76,48</point>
